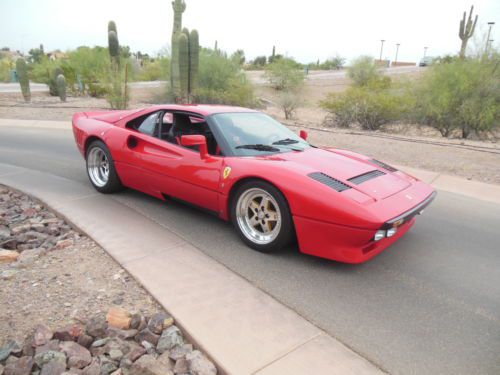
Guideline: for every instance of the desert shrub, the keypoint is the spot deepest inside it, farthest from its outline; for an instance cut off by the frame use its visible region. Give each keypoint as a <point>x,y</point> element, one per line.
<point>285,74</point>
<point>91,65</point>
<point>371,105</point>
<point>333,63</point>
<point>289,102</point>
<point>5,67</point>
<point>154,70</point>
<point>221,81</point>
<point>462,95</point>
<point>363,70</point>
<point>258,63</point>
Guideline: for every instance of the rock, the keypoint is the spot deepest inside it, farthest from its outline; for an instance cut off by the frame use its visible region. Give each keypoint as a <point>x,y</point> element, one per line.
<point>169,338</point>
<point>38,227</point>
<point>1,369</point>
<point>16,347</point>
<point>51,345</point>
<point>117,372</point>
<point>69,333</point>
<point>49,356</point>
<point>125,363</point>
<point>42,335</point>
<point>63,244</point>
<point>148,365</point>
<point>115,354</point>
<point>4,352</point>
<point>179,352</point>
<point>8,256</point>
<point>121,333</point>
<point>20,228</point>
<point>4,232</point>
<point>9,244</point>
<point>165,359</point>
<point>96,326</point>
<point>28,257</point>
<point>78,356</point>
<point>159,322</point>
<point>107,366</point>
<point>23,366</point>
<point>93,369</point>
<point>199,364</point>
<point>8,274</point>
<point>181,366</point>
<point>85,340</point>
<point>53,368</point>
<point>138,322</point>
<point>150,349</point>
<point>118,318</point>
<point>135,353</point>
<point>148,336</point>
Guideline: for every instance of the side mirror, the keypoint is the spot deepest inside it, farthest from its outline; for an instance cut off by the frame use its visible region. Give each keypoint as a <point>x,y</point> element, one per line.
<point>303,134</point>
<point>196,140</point>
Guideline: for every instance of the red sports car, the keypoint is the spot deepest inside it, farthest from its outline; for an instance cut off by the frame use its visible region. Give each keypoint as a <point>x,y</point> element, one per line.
<point>248,168</point>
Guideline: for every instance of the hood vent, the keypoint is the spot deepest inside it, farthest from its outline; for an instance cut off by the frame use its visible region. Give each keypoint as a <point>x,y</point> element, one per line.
<point>383,165</point>
<point>365,177</point>
<point>329,181</point>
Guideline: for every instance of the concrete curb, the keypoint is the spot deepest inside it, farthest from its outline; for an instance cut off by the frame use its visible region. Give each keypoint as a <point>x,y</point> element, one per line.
<point>243,329</point>
<point>458,185</point>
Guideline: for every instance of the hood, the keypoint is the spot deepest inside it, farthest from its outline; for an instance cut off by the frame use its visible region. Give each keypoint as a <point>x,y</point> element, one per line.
<point>111,117</point>
<point>344,168</point>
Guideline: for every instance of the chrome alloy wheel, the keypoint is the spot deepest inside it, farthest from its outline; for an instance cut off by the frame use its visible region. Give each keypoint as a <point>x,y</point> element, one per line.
<point>258,216</point>
<point>98,166</point>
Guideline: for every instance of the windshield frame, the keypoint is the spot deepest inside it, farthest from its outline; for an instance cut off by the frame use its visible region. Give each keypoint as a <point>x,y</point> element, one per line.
<point>217,129</point>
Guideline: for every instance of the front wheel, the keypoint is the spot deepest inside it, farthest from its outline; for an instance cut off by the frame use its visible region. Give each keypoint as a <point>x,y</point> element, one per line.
<point>260,214</point>
<point>101,169</point>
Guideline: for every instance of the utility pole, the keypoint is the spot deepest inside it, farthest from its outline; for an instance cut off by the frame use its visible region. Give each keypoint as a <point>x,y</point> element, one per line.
<point>397,50</point>
<point>381,48</point>
<point>488,38</point>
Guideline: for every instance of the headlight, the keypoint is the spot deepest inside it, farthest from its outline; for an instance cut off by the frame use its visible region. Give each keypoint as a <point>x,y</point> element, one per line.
<point>391,232</point>
<point>379,235</point>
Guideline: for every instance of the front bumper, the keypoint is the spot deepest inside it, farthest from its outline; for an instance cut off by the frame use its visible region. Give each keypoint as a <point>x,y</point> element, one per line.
<point>350,244</point>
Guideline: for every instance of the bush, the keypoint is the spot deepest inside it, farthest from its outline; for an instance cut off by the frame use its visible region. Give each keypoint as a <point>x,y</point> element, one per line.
<point>154,70</point>
<point>372,105</point>
<point>289,101</point>
<point>334,63</point>
<point>5,67</point>
<point>221,81</point>
<point>285,74</point>
<point>363,70</point>
<point>462,95</point>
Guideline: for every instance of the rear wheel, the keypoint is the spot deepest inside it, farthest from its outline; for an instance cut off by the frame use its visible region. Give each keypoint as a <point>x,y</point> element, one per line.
<point>261,216</point>
<point>101,169</point>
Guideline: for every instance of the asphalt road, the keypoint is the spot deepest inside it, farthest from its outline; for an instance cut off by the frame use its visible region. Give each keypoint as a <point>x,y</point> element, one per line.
<point>428,305</point>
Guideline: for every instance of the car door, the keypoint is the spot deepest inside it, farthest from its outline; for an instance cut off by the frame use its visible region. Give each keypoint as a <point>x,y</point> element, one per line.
<point>176,171</point>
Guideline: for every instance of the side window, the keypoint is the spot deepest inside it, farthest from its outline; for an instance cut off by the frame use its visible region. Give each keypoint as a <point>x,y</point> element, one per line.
<point>148,126</point>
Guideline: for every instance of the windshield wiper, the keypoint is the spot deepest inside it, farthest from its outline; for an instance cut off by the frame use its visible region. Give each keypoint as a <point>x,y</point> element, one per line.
<point>286,141</point>
<point>259,147</point>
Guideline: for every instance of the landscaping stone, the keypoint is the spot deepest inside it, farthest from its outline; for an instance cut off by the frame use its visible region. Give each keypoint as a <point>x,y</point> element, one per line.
<point>149,365</point>
<point>8,256</point>
<point>148,336</point>
<point>22,366</point>
<point>78,356</point>
<point>53,368</point>
<point>170,337</point>
<point>96,326</point>
<point>118,318</point>
<point>181,366</point>
<point>42,335</point>
<point>138,322</point>
<point>179,352</point>
<point>159,322</point>
<point>69,333</point>
<point>199,364</point>
<point>49,356</point>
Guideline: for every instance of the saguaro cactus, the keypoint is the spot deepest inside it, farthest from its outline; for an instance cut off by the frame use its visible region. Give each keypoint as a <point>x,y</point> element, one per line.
<point>61,87</point>
<point>114,47</point>
<point>112,26</point>
<point>466,31</point>
<point>22,73</point>
<point>194,60</point>
<point>185,56</point>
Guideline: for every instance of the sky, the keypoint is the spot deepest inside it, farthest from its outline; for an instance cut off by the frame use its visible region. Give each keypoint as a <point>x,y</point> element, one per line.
<point>305,30</point>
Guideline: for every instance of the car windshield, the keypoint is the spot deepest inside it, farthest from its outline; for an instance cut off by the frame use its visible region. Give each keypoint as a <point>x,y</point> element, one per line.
<point>254,133</point>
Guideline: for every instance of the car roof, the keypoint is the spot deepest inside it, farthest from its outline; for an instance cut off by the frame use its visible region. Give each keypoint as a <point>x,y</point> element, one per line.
<point>202,109</point>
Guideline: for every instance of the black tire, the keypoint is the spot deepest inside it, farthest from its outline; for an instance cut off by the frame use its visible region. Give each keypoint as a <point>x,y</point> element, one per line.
<point>113,183</point>
<point>286,232</point>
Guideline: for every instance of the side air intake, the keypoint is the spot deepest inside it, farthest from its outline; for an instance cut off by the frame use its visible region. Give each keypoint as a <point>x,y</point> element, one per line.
<point>383,165</point>
<point>329,181</point>
<point>365,177</point>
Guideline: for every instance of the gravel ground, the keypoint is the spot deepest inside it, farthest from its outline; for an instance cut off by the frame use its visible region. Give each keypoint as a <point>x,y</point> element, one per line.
<point>55,279</point>
<point>412,150</point>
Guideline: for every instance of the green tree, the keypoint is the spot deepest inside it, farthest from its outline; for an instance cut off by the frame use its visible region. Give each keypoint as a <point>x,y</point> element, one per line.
<point>238,57</point>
